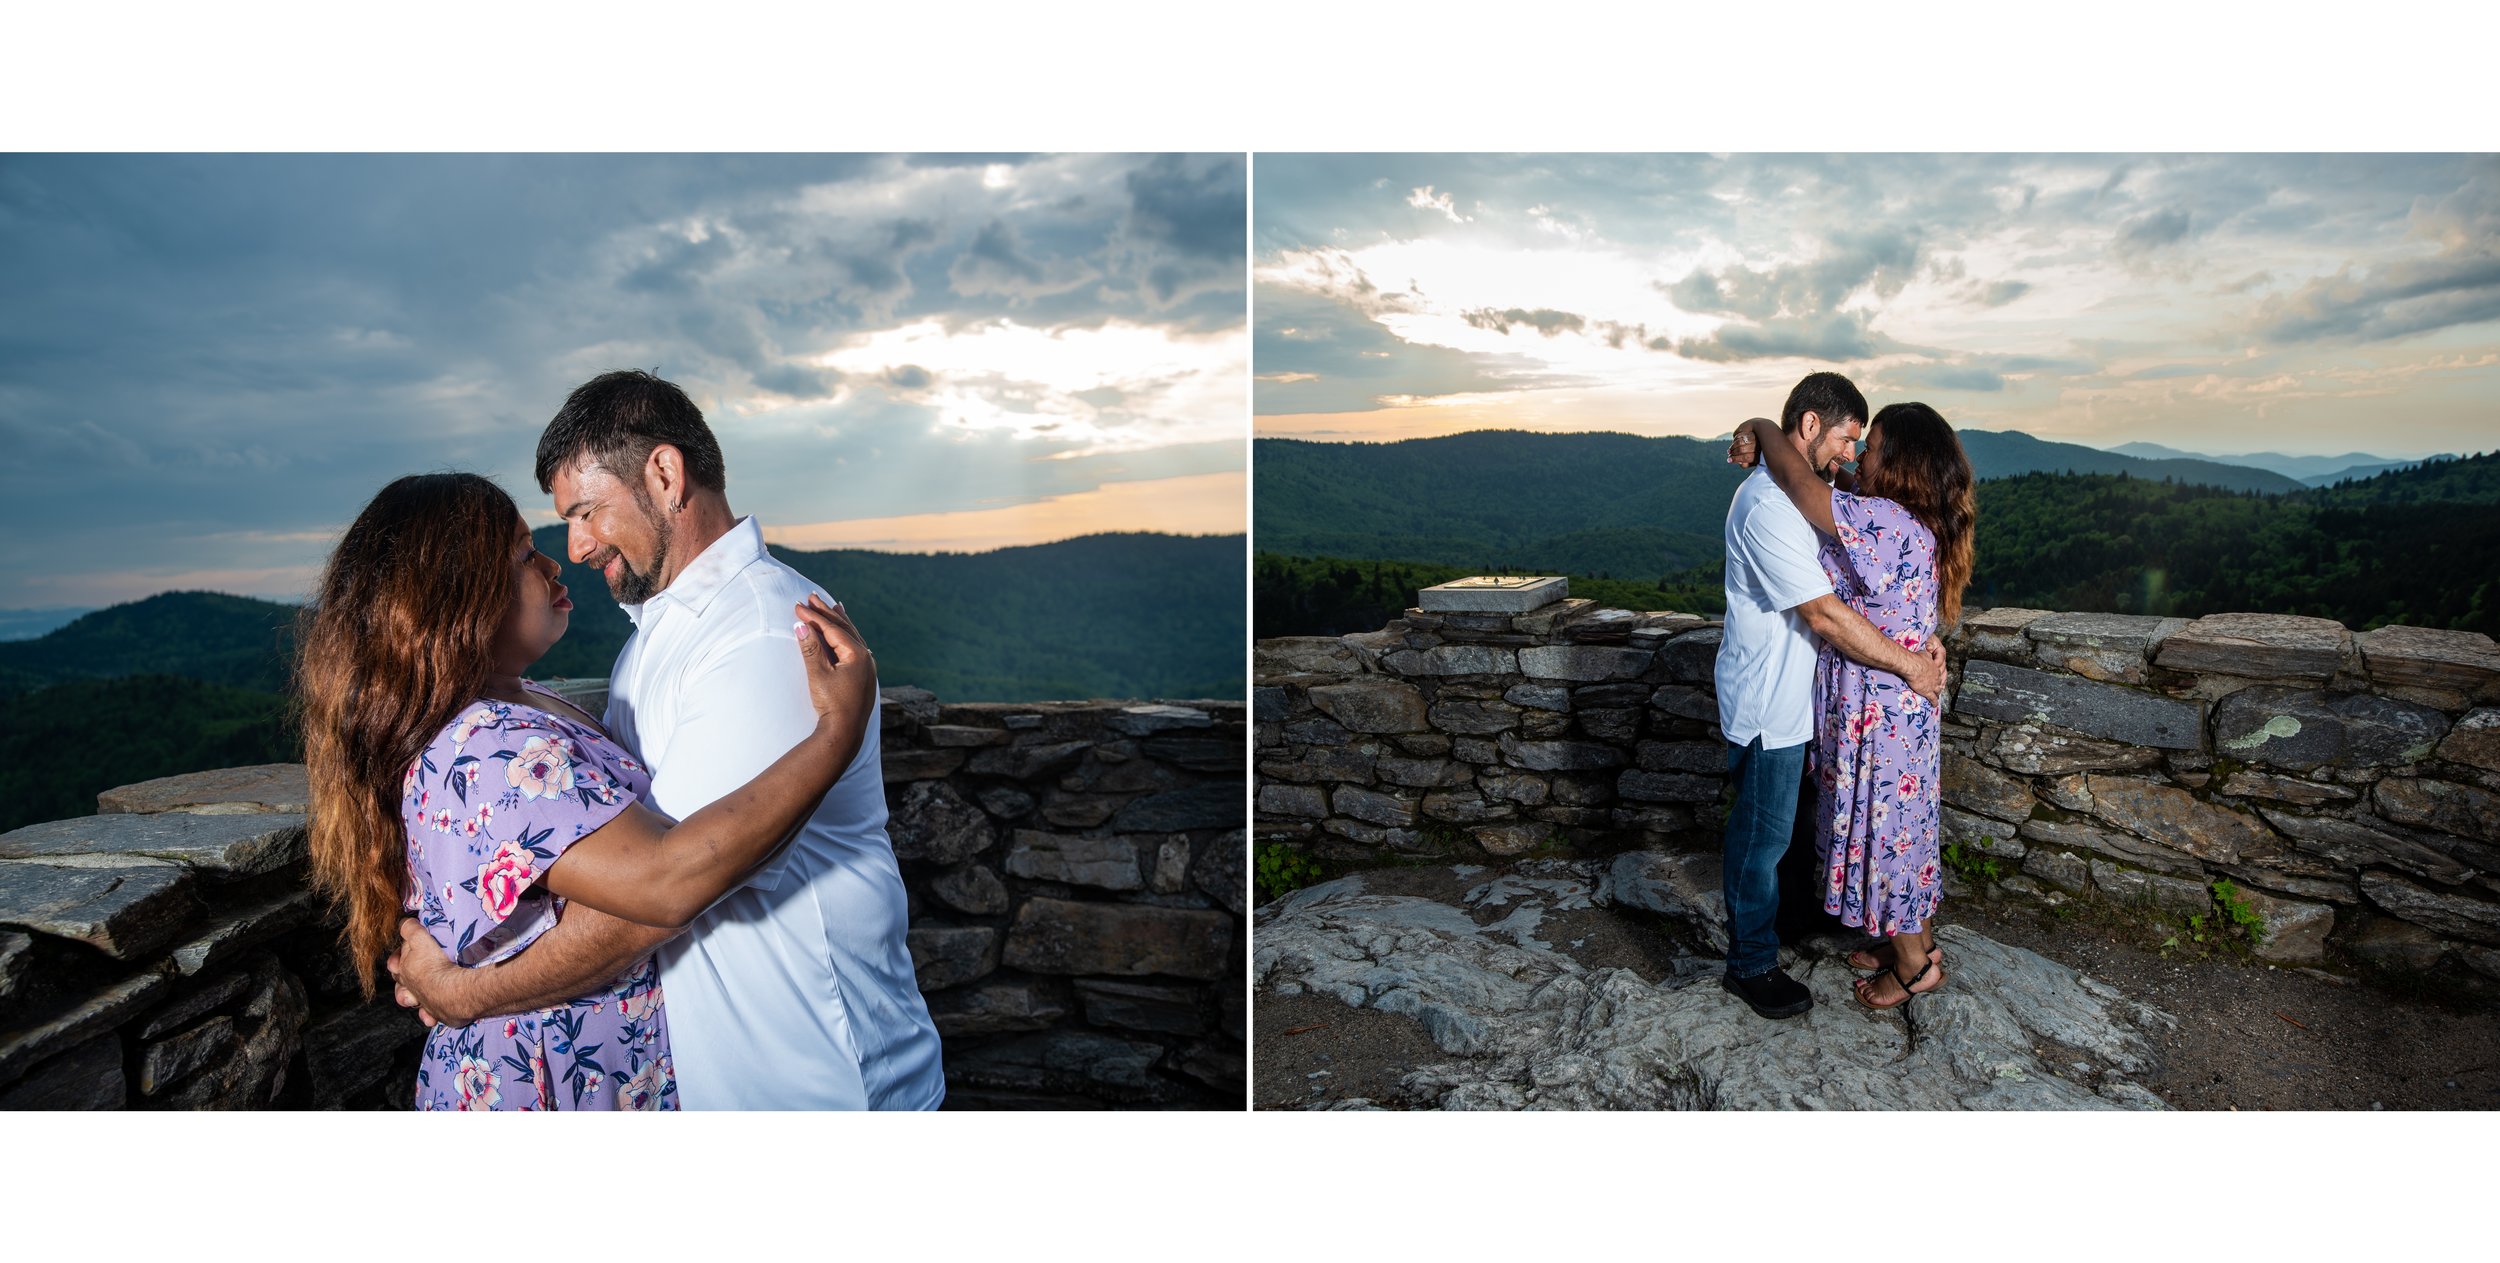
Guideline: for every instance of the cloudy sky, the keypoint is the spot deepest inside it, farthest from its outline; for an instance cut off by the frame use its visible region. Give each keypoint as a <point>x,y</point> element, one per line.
<point>209,363</point>
<point>2304,304</point>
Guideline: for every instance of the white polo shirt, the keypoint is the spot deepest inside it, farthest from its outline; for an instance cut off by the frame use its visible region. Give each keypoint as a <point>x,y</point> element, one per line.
<point>796,990</point>
<point>1766,656</point>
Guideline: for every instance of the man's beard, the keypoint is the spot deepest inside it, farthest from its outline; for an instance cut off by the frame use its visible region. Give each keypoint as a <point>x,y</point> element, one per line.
<point>631,586</point>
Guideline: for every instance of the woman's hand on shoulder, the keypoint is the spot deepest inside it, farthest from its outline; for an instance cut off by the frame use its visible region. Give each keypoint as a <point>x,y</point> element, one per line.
<point>841,672</point>
<point>1741,451</point>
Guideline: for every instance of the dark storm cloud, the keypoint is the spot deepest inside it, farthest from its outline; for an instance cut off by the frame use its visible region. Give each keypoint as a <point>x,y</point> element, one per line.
<point>1880,262</point>
<point>2151,232</point>
<point>1999,293</point>
<point>1315,353</point>
<point>1838,338</point>
<point>2459,285</point>
<point>1184,230</point>
<point>243,347</point>
<point>997,263</point>
<point>1544,320</point>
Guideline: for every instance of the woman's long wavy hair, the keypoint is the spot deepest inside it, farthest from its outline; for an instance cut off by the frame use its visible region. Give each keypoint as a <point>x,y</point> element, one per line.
<point>400,637</point>
<point>1924,470</point>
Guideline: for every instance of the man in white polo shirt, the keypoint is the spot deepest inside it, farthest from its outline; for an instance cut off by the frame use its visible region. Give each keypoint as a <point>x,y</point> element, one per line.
<point>1778,602</point>
<point>796,990</point>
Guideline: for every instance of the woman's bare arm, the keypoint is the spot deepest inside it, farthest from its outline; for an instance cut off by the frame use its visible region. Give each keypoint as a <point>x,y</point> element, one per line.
<point>1806,490</point>
<point>639,867</point>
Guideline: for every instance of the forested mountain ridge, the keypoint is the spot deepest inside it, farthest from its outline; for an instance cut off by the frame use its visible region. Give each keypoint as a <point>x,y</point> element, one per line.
<point>183,681</point>
<point>1596,504</point>
<point>2413,546</point>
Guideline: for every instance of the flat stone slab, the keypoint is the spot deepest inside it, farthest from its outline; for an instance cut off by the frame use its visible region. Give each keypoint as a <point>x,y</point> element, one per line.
<point>1108,863</point>
<point>24,1046</point>
<point>1487,595</point>
<point>86,1078</point>
<point>2179,820</point>
<point>226,791</point>
<point>1998,634</point>
<point>2302,729</point>
<point>2465,810</point>
<point>1059,936</point>
<point>2457,916</point>
<point>125,911</point>
<point>1139,721</point>
<point>2113,647</point>
<point>2012,694</point>
<point>17,953</point>
<point>1372,705</point>
<point>2475,740</point>
<point>1528,1027</point>
<point>237,930</point>
<point>2431,657</point>
<point>1303,655</point>
<point>234,845</point>
<point>2260,646</point>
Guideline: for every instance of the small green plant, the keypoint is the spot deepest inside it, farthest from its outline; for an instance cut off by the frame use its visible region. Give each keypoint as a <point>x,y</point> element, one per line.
<point>1971,864</point>
<point>1280,870</point>
<point>2236,912</point>
<point>2196,927</point>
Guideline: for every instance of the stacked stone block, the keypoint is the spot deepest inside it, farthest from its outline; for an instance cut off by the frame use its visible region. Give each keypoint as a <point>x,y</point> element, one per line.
<point>2346,785</point>
<point>1079,880</point>
<point>1488,733</point>
<point>1076,872</point>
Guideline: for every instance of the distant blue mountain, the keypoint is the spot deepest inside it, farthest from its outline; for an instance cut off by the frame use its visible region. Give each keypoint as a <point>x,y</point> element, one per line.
<point>2310,471</point>
<point>28,624</point>
<point>2006,453</point>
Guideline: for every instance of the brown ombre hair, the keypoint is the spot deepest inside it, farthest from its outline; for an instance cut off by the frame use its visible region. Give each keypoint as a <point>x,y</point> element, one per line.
<point>400,636</point>
<point>1924,470</point>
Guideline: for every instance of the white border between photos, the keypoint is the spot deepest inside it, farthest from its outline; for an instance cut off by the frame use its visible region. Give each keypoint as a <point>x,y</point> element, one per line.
<point>1283,76</point>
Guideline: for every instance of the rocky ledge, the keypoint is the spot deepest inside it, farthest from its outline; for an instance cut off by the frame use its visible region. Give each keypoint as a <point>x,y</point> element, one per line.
<point>1528,978</point>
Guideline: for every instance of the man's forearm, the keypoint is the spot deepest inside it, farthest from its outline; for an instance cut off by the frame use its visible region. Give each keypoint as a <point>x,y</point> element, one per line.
<point>585,950</point>
<point>1848,631</point>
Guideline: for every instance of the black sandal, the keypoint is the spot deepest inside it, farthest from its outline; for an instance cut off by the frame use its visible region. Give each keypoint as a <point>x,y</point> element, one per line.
<point>1909,986</point>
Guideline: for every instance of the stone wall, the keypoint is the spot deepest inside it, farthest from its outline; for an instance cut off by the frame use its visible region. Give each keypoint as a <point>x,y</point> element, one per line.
<point>1077,882</point>
<point>2346,785</point>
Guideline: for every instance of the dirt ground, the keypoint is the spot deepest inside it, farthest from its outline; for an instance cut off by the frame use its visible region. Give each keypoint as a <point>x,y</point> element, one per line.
<point>2256,1036</point>
<point>2251,1036</point>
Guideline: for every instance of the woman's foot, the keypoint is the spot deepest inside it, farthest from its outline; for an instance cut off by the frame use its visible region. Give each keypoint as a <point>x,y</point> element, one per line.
<point>1887,989</point>
<point>1881,956</point>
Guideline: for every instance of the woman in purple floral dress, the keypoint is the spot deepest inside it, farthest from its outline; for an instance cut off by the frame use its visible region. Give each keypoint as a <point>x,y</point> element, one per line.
<point>446,786</point>
<point>1897,547</point>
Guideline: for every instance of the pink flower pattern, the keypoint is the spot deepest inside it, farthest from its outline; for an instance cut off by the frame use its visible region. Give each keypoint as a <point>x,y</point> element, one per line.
<point>1876,745</point>
<point>475,867</point>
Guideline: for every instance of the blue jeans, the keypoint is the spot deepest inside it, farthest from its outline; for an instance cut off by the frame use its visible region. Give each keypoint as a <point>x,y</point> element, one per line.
<point>1757,836</point>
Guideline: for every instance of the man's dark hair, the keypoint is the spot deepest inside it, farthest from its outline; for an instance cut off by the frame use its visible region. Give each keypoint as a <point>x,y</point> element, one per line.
<point>617,418</point>
<point>1827,395</point>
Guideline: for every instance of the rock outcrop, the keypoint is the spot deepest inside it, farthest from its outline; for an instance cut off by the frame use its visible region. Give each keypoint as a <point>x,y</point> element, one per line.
<point>1527,1026</point>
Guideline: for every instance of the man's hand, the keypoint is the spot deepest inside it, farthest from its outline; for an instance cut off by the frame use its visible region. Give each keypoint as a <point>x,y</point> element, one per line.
<point>422,973</point>
<point>1928,679</point>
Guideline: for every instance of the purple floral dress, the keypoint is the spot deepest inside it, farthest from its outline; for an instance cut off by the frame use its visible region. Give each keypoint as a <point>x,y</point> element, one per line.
<point>1876,743</point>
<point>501,792</point>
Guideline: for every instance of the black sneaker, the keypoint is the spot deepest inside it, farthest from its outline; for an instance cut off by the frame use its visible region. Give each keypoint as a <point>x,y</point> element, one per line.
<point>1773,995</point>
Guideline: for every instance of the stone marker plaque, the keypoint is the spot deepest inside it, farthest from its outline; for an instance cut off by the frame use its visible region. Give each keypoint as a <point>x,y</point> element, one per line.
<point>1492,594</point>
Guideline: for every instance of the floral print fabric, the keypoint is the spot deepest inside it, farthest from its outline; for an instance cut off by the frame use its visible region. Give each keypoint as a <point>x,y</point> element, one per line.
<point>497,797</point>
<point>1876,742</point>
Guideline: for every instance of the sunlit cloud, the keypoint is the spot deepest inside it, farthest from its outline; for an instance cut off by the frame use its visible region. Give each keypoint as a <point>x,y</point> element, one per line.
<point>211,362</point>
<point>2235,303</point>
<point>1201,504</point>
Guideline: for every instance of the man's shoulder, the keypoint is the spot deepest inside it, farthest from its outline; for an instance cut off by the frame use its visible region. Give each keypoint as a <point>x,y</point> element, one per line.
<point>758,598</point>
<point>1759,496</point>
